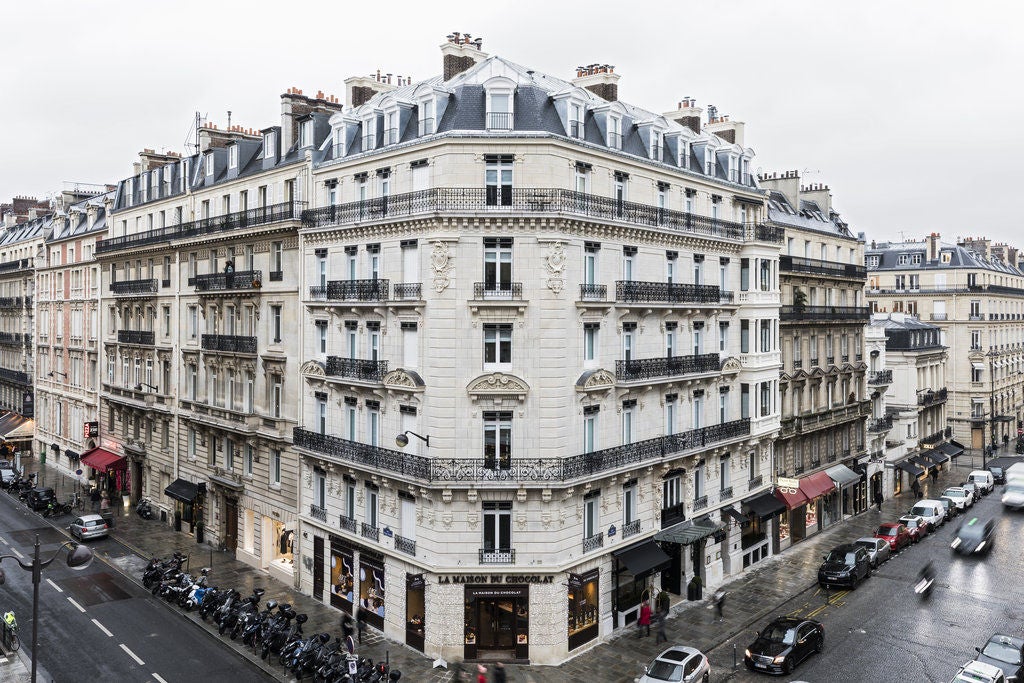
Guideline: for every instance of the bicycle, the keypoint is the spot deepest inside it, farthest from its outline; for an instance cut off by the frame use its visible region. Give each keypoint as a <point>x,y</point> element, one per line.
<point>76,502</point>
<point>11,638</point>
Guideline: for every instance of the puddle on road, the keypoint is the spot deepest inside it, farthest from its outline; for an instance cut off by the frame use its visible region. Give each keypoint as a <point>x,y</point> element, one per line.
<point>94,589</point>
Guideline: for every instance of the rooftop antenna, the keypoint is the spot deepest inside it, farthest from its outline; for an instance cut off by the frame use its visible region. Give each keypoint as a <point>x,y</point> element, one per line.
<point>229,119</point>
<point>193,134</point>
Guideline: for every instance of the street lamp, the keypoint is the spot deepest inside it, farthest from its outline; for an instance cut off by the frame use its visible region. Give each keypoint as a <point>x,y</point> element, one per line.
<point>402,440</point>
<point>55,372</point>
<point>79,557</point>
<point>138,387</point>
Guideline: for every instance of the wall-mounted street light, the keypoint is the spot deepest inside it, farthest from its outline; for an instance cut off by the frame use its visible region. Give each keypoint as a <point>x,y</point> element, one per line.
<point>56,372</point>
<point>138,387</point>
<point>403,440</point>
<point>79,557</point>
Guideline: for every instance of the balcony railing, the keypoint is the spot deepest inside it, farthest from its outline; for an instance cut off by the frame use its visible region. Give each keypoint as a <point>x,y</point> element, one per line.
<point>141,337</point>
<point>856,313</point>
<point>931,397</point>
<point>405,545</point>
<point>205,226</point>
<point>725,494</point>
<point>317,512</point>
<point>591,292</point>
<point>497,555</point>
<point>497,290</point>
<point>825,418</point>
<point>880,424</point>
<point>499,120</point>
<point>631,291</point>
<point>352,290</point>
<point>7,302</point>
<point>16,376</point>
<point>276,275</point>
<point>391,136</point>
<point>933,438</point>
<point>242,279</point>
<point>16,264</point>
<point>673,514</point>
<point>700,503</point>
<point>348,524</point>
<point>518,469</point>
<point>799,264</point>
<point>880,377</point>
<point>769,233</point>
<point>755,482</point>
<point>357,368</point>
<point>631,528</point>
<point>939,316</point>
<point>370,532</point>
<point>13,338</point>
<point>229,343</point>
<point>408,291</point>
<point>576,129</point>
<point>650,368</point>
<point>593,542</point>
<point>615,140</point>
<point>149,286</point>
<point>532,200</point>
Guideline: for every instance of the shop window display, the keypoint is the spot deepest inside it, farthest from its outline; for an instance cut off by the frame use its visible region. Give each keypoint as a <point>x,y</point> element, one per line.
<point>284,539</point>
<point>342,578</point>
<point>371,592</point>
<point>415,604</point>
<point>583,608</point>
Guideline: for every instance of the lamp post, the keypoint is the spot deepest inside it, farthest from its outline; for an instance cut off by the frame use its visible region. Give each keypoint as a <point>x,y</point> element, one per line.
<point>79,557</point>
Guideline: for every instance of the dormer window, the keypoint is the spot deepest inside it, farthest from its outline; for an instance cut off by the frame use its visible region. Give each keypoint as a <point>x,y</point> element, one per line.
<point>339,143</point>
<point>209,163</point>
<point>233,156</point>
<point>902,259</point>
<point>369,133</point>
<point>306,133</point>
<point>427,125</point>
<point>576,127</point>
<point>744,170</point>
<point>709,161</point>
<point>143,186</point>
<point>872,261</point>
<point>391,127</point>
<point>734,168</point>
<point>615,132</point>
<point>915,259</point>
<point>270,145</point>
<point>684,154</point>
<point>655,145</point>
<point>130,191</point>
<point>499,110</point>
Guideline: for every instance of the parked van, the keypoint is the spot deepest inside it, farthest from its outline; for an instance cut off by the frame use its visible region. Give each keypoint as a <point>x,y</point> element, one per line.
<point>933,511</point>
<point>984,479</point>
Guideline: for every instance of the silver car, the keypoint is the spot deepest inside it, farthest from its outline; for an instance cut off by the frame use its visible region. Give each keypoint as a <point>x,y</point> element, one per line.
<point>678,664</point>
<point>878,549</point>
<point>88,527</point>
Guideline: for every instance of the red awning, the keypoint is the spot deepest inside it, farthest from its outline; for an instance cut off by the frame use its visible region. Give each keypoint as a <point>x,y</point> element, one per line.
<point>816,485</point>
<point>103,460</point>
<point>791,499</point>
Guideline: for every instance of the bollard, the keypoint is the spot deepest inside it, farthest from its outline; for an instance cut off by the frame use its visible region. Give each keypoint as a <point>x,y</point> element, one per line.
<point>734,655</point>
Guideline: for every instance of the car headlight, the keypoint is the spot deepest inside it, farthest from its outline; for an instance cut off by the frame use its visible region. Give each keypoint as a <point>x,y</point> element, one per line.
<point>780,659</point>
<point>980,546</point>
<point>955,544</point>
<point>746,653</point>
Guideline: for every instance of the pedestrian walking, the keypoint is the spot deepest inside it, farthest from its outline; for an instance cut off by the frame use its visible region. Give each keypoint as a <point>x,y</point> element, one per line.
<point>916,487</point>
<point>644,622</point>
<point>659,622</point>
<point>104,504</point>
<point>719,602</point>
<point>481,673</point>
<point>95,498</point>
<point>500,675</point>
<point>360,624</point>
<point>878,499</point>
<point>935,475</point>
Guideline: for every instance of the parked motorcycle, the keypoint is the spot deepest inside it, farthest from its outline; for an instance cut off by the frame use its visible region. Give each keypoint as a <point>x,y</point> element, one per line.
<point>144,508</point>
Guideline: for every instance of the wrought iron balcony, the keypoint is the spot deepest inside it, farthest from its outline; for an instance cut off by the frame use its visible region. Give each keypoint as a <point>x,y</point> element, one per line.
<point>631,528</point>
<point>799,264</point>
<point>241,279</point>
<point>769,233</point>
<point>352,290</point>
<point>593,542</point>
<point>725,494</point>
<point>939,316</point>
<point>444,200</point>
<point>13,338</point>
<point>348,524</point>
<point>357,368</point>
<point>229,343</point>
<point>675,366</point>
<point>497,555</point>
<point>317,512</point>
<point>755,482</point>
<point>205,226</point>
<point>408,291</point>
<point>932,397</point>
<point>134,287</point>
<point>483,291</point>
<point>592,292</point>
<point>853,313</point>
<point>799,469</point>
<point>630,291</point>
<point>141,337</point>
<point>499,120</point>
<point>700,503</point>
<point>933,438</point>
<point>673,514</point>
<point>8,302</point>
<point>816,463</point>
<point>370,532</point>
<point>276,275</point>
<point>16,264</point>
<point>405,545</point>
<point>880,377</point>
<point>16,376</point>
<point>880,424</point>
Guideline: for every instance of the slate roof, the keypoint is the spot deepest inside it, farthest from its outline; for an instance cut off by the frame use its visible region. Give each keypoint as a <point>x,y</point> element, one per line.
<point>809,217</point>
<point>27,231</point>
<point>78,223</point>
<point>909,322</point>
<point>888,254</point>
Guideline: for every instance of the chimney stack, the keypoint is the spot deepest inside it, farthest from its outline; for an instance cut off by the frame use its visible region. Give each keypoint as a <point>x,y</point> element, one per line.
<point>787,182</point>
<point>599,79</point>
<point>933,246</point>
<point>459,53</point>
<point>730,131</point>
<point>688,114</point>
<point>149,160</point>
<point>295,105</point>
<point>360,89</point>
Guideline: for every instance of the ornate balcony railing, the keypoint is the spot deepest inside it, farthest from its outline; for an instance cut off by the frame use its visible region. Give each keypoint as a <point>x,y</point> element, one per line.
<point>856,313</point>
<point>317,512</point>
<point>240,279</point>
<point>499,120</point>
<point>593,542</point>
<point>229,343</point>
<point>631,291</point>
<point>369,531</point>
<point>799,264</point>
<point>8,302</point>
<point>931,397</point>
<point>880,377</point>
<point>700,503</point>
<point>13,338</point>
<point>408,291</point>
<point>352,290</point>
<point>755,482</point>
<point>631,528</point>
<point>769,233</point>
<point>348,524</point>
<point>205,226</point>
<point>518,469</point>
<point>149,286</point>
<point>405,545</point>
<point>880,424</point>
<point>591,292</point>
<point>16,376</point>
<point>825,418</point>
<point>725,494</point>
<point>933,438</point>
<point>497,290</point>
<point>497,555</point>
<point>442,200</point>
<point>357,368</point>
<point>650,368</point>
<point>673,514</point>
<point>16,264</point>
<point>141,337</point>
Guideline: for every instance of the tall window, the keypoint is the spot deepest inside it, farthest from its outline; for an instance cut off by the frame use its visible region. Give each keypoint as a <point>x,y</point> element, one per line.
<point>590,414</point>
<point>497,344</point>
<point>591,521</point>
<point>497,264</point>
<point>497,526</point>
<point>590,341</point>
<point>628,256</point>
<point>670,339</point>
<point>498,180</point>
<point>628,410</point>
<point>319,489</point>
<point>276,395</point>
<point>497,440</point>
<point>698,411</point>
<point>275,323</point>
<point>672,492</point>
<point>371,505</point>
<point>275,467</point>
<point>373,422</point>
<point>670,414</point>
<point>629,495</point>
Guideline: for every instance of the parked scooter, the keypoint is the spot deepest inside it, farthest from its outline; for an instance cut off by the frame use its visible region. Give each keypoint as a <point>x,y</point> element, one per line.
<point>144,508</point>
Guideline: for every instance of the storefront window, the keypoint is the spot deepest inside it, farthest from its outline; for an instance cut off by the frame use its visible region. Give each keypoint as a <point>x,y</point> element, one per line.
<point>342,577</point>
<point>583,608</point>
<point>784,525</point>
<point>753,531</point>
<point>414,610</point>
<point>371,591</point>
<point>283,541</point>
<point>497,621</point>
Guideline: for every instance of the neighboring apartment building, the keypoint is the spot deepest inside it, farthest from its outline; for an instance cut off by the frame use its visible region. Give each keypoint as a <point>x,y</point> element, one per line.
<point>67,330</point>
<point>880,423</point>
<point>916,440</point>
<point>820,455</point>
<point>977,302</point>
<point>201,324</point>
<point>567,308</point>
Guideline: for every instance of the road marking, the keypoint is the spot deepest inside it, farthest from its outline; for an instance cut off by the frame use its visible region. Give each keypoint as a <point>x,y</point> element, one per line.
<point>132,655</point>
<point>80,608</point>
<point>4,540</point>
<point>19,555</point>
<point>55,586</point>
<point>103,628</point>
<point>159,678</point>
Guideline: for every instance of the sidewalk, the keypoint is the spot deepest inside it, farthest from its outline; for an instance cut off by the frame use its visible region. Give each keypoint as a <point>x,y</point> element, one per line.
<point>752,595</point>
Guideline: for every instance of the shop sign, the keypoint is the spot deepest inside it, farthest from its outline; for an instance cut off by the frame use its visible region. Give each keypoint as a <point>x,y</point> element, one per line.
<point>91,430</point>
<point>495,578</point>
<point>786,485</point>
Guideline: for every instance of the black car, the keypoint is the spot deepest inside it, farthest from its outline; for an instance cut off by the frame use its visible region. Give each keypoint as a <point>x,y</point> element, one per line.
<point>1006,652</point>
<point>38,499</point>
<point>783,644</point>
<point>998,475</point>
<point>973,536</point>
<point>846,565</point>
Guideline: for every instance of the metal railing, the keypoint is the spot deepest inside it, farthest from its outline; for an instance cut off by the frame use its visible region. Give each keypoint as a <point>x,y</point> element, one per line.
<point>799,264</point>
<point>934,437</point>
<point>147,286</point>
<point>880,424</point>
<point>673,514</point>
<point>408,291</point>
<point>16,376</point>
<point>675,366</point>
<point>700,503</point>
<point>500,120</point>
<point>141,337</point>
<point>11,302</point>
<point>631,528</point>
<point>391,136</point>
<point>497,556</point>
<point>769,233</point>
<point>633,291</point>
<point>592,292</point>
<point>792,312</point>
<point>351,290</point>
<point>229,343</point>
<point>369,142</point>
<point>880,377</point>
<point>357,368</point>
<point>427,126</point>
<point>939,316</point>
<point>497,290</point>
<point>242,279</point>
<point>16,264</point>
<point>576,129</point>
<point>725,494</point>
<point>755,482</point>
<point>13,338</point>
<point>317,512</point>
<point>368,531</point>
<point>348,524</point>
<point>931,397</point>
<point>441,200</point>
<point>615,140</point>
<point>276,275</point>
<point>405,545</point>
<point>205,226</point>
<point>593,542</point>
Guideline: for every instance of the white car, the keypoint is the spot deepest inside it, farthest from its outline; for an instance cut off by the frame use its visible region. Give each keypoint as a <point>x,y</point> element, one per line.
<point>972,489</point>
<point>933,511</point>
<point>678,664</point>
<point>979,672</point>
<point>960,496</point>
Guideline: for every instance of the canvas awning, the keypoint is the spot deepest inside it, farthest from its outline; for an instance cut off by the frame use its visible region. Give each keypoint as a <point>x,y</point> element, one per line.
<point>102,460</point>
<point>791,498</point>
<point>842,475</point>
<point>689,531</point>
<point>25,430</point>
<point>910,468</point>
<point>764,505</point>
<point>12,422</point>
<point>936,456</point>
<point>924,463</point>
<point>182,490</point>
<point>817,484</point>
<point>643,559</point>
<point>735,514</point>
<point>950,449</point>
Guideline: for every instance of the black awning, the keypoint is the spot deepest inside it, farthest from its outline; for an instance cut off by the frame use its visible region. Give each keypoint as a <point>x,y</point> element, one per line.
<point>924,463</point>
<point>689,531</point>
<point>936,455</point>
<point>735,514</point>
<point>643,559</point>
<point>765,505</point>
<point>950,449</point>
<point>182,490</point>
<point>954,442</point>
<point>910,468</point>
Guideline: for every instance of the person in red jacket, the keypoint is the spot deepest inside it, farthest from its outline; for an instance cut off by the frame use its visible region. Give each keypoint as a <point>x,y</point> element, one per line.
<point>644,622</point>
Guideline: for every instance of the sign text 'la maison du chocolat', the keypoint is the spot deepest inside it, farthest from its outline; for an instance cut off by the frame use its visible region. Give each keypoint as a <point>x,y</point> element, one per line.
<point>495,578</point>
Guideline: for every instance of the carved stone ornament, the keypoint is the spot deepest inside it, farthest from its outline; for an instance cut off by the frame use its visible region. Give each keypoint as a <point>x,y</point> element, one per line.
<point>731,366</point>
<point>555,263</point>
<point>498,384</point>
<point>403,380</point>
<point>595,380</point>
<point>441,263</point>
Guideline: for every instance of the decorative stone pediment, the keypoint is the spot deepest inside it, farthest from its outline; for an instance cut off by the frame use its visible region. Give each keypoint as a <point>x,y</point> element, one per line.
<point>731,366</point>
<point>596,380</point>
<point>313,368</point>
<point>498,384</point>
<point>401,379</point>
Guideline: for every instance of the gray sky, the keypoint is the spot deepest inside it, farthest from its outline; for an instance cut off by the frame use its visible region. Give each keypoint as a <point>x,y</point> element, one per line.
<point>909,111</point>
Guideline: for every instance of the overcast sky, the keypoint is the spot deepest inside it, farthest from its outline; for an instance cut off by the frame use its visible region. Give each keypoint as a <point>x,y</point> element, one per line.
<point>909,111</point>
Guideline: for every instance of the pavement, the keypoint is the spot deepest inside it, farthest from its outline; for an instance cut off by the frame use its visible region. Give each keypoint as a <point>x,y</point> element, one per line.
<point>752,596</point>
